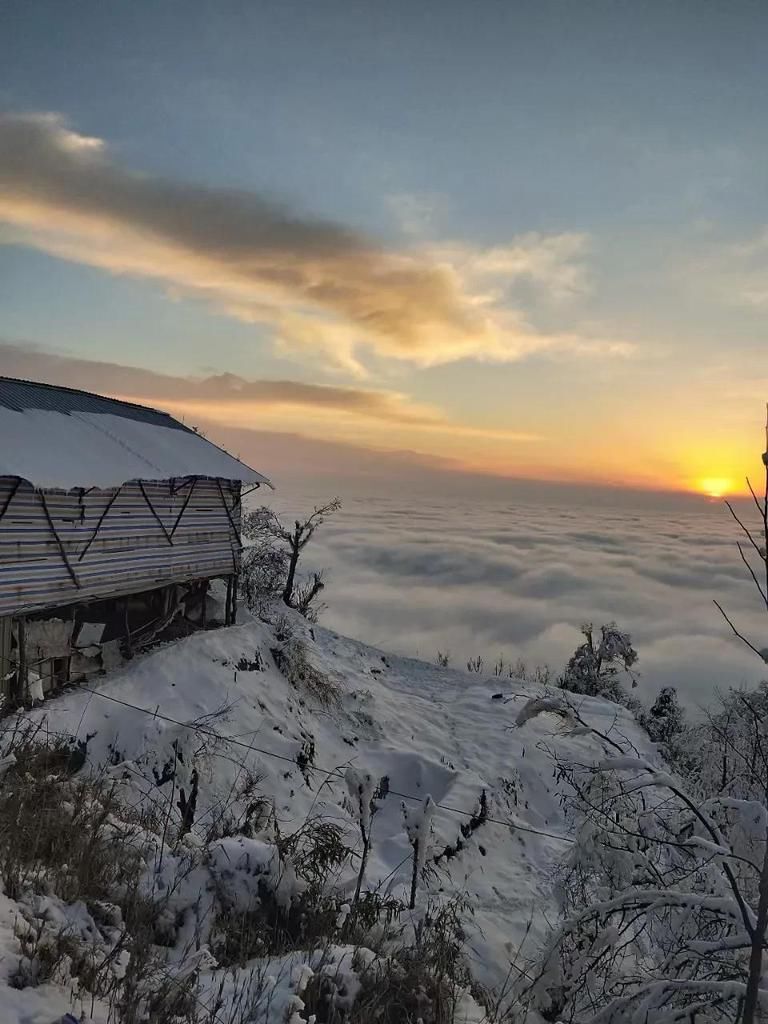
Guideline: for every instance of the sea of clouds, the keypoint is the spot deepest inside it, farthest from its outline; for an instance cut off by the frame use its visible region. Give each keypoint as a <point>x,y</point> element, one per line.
<point>416,576</point>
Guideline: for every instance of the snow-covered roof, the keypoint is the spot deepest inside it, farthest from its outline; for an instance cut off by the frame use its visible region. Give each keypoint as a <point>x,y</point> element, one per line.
<point>60,437</point>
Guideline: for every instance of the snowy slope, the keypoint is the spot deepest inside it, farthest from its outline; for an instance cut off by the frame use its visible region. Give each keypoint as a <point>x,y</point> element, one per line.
<point>431,731</point>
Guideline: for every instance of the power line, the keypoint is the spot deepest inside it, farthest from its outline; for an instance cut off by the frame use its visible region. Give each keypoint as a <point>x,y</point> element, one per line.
<point>327,771</point>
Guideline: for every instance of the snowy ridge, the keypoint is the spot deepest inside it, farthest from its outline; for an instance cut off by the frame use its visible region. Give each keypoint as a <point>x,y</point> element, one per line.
<point>431,732</point>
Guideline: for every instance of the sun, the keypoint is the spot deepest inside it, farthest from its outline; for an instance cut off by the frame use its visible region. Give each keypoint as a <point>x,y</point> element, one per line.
<point>715,486</point>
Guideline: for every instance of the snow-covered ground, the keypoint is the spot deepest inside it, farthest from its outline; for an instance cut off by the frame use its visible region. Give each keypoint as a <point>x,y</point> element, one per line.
<point>430,730</point>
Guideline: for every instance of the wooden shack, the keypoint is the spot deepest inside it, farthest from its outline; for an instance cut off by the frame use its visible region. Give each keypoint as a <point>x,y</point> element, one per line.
<point>114,520</point>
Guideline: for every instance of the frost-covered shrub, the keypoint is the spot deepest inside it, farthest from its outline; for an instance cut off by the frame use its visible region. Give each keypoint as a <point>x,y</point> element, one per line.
<point>417,822</point>
<point>75,833</point>
<point>664,721</point>
<point>726,761</point>
<point>593,668</point>
<point>263,565</point>
<point>423,977</point>
<point>276,895</point>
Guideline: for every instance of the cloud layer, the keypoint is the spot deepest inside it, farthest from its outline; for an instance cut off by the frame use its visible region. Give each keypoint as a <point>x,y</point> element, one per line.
<point>481,577</point>
<point>316,285</point>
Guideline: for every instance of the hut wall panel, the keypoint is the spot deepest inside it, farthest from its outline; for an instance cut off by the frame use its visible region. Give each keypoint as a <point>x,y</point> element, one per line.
<point>129,553</point>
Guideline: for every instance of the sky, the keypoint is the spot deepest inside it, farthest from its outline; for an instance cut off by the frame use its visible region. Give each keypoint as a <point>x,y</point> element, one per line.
<point>521,239</point>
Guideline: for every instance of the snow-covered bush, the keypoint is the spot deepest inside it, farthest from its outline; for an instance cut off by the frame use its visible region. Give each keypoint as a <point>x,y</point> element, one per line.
<point>423,977</point>
<point>664,721</point>
<point>361,787</point>
<point>275,896</point>
<point>417,822</point>
<point>593,668</point>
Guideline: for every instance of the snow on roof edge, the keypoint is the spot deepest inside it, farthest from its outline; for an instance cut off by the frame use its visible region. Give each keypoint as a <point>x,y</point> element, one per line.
<point>56,449</point>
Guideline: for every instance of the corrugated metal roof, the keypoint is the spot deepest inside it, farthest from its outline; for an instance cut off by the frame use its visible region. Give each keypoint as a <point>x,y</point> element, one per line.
<point>27,394</point>
<point>64,438</point>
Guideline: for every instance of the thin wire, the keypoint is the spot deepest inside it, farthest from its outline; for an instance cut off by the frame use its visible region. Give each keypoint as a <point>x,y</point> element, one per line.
<point>328,771</point>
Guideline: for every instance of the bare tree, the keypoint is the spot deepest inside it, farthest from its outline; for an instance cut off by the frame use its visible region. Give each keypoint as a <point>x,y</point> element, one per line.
<point>270,564</point>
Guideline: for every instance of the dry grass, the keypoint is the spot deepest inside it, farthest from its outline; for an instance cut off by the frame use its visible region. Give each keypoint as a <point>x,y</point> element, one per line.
<point>421,980</point>
<point>292,661</point>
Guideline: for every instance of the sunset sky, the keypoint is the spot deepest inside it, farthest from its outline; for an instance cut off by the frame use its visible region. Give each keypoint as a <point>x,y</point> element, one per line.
<point>524,238</point>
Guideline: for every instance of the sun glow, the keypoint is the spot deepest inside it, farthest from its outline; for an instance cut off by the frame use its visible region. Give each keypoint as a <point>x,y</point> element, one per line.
<point>715,486</point>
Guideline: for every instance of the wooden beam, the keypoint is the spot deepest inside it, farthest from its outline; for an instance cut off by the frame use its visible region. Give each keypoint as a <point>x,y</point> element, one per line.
<point>184,506</point>
<point>102,517</point>
<point>57,538</point>
<point>11,496</point>
<point>152,509</point>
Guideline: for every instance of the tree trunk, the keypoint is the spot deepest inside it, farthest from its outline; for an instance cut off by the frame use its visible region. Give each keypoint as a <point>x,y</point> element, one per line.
<point>758,942</point>
<point>290,579</point>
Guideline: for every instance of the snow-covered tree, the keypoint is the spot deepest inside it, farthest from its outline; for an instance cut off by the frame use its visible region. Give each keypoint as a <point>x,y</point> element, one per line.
<point>269,568</point>
<point>593,668</point>
<point>664,721</point>
<point>263,565</point>
<point>727,758</point>
<point>659,926</point>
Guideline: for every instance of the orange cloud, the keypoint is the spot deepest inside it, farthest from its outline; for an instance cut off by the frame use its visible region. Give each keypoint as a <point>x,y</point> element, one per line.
<point>230,400</point>
<point>316,285</point>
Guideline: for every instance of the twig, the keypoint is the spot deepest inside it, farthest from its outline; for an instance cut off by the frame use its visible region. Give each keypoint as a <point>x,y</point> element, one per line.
<point>751,571</point>
<point>741,636</point>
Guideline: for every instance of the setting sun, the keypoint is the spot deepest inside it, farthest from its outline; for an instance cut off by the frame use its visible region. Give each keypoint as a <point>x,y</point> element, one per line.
<point>715,486</point>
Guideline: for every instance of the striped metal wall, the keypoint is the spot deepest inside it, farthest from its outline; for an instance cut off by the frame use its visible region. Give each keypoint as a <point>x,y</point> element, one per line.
<point>113,541</point>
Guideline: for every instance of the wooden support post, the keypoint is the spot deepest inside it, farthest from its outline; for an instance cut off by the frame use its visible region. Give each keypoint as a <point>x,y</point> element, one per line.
<point>228,603</point>
<point>234,599</point>
<point>20,689</point>
<point>204,606</point>
<point>128,640</point>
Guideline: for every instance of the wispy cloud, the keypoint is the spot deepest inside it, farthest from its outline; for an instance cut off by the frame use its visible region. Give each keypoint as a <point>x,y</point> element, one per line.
<point>751,265</point>
<point>734,272</point>
<point>554,263</point>
<point>318,286</point>
<point>232,400</point>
